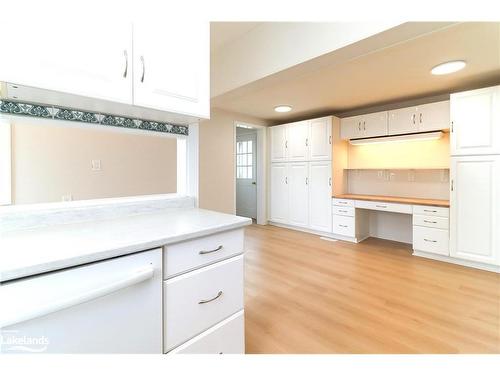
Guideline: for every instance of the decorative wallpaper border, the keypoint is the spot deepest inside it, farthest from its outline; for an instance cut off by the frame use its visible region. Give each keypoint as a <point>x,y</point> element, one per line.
<point>68,114</point>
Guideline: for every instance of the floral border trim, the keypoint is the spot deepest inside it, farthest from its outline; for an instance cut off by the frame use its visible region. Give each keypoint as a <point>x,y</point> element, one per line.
<point>68,114</point>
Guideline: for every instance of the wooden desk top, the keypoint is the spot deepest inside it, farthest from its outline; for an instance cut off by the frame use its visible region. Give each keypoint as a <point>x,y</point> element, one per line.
<point>383,198</point>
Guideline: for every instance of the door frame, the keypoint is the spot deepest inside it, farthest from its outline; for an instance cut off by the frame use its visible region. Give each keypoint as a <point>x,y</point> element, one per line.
<point>261,169</point>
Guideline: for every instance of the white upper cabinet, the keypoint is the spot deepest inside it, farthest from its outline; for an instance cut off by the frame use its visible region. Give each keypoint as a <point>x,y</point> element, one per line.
<point>279,143</point>
<point>475,208</point>
<point>426,117</point>
<point>171,67</point>
<point>71,57</point>
<point>320,139</point>
<point>320,192</point>
<point>364,126</point>
<point>298,143</point>
<point>161,66</point>
<point>475,119</point>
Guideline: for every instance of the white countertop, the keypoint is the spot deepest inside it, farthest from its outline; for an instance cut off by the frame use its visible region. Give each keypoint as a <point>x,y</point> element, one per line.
<point>33,251</point>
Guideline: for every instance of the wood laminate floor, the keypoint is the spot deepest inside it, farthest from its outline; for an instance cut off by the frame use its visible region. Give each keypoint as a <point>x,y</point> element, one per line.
<point>307,295</point>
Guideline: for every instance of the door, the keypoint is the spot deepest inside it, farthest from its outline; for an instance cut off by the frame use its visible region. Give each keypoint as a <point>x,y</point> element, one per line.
<point>320,196</point>
<point>320,139</point>
<point>279,193</point>
<point>246,175</point>
<point>111,306</point>
<point>172,67</point>
<point>434,116</point>
<point>278,135</point>
<point>298,142</point>
<point>475,119</point>
<point>403,121</point>
<point>70,56</point>
<point>374,124</point>
<point>350,127</point>
<point>475,208</point>
<point>298,178</point>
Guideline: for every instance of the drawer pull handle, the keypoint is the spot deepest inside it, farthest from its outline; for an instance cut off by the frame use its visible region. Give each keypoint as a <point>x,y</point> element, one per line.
<point>211,299</point>
<point>210,251</point>
<point>425,239</point>
<point>429,210</point>
<point>342,202</point>
<point>430,222</point>
<point>343,226</point>
<point>380,206</point>
<point>343,211</point>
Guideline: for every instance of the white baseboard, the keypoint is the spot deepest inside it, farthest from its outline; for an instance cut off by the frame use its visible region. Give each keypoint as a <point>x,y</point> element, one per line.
<point>325,235</point>
<point>461,262</point>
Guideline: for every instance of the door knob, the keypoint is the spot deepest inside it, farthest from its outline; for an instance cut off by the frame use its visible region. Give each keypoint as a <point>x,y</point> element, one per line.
<point>253,183</point>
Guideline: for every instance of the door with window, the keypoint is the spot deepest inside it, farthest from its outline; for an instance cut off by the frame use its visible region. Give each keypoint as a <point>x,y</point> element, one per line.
<point>246,179</point>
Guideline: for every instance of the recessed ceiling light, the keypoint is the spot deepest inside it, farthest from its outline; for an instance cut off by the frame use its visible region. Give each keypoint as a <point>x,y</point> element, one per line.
<point>448,67</point>
<point>283,108</point>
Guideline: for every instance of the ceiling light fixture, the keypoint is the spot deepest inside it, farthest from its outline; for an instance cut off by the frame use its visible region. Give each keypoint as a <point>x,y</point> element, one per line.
<point>448,67</point>
<point>397,138</point>
<point>282,108</point>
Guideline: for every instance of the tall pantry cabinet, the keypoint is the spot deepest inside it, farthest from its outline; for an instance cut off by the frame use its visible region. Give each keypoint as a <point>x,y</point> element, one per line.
<point>475,176</point>
<point>301,173</point>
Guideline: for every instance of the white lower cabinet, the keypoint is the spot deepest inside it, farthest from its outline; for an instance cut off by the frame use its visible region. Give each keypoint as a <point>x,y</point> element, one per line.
<point>199,304</point>
<point>298,190</point>
<point>431,230</point>
<point>227,337</point>
<point>475,208</point>
<point>111,306</point>
<point>320,190</point>
<point>279,201</point>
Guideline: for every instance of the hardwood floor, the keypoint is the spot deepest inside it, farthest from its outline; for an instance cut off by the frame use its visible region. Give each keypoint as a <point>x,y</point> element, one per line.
<point>307,295</point>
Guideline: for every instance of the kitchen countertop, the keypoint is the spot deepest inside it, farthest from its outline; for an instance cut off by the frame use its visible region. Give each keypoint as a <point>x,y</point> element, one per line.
<point>391,199</point>
<point>33,251</point>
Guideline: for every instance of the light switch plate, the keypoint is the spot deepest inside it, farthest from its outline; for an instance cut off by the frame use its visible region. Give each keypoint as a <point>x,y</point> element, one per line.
<point>96,165</point>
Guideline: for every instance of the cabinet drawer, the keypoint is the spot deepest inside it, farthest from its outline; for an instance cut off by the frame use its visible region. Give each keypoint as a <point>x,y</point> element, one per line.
<point>227,337</point>
<point>343,211</point>
<point>431,221</point>
<point>189,255</point>
<point>385,206</point>
<point>344,225</point>
<point>431,211</point>
<point>343,202</point>
<point>196,301</point>
<point>431,240</point>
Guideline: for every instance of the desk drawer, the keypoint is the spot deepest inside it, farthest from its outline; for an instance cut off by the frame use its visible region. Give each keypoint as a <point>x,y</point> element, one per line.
<point>431,221</point>
<point>343,211</point>
<point>196,301</point>
<point>227,337</point>
<point>344,225</point>
<point>189,255</point>
<point>431,211</point>
<point>385,206</point>
<point>431,240</point>
<point>343,202</point>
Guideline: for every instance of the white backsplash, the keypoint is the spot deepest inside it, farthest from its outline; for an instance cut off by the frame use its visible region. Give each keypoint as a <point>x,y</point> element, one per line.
<point>415,183</point>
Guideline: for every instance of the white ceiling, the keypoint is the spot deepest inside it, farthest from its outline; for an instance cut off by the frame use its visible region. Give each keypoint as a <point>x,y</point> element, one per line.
<point>396,72</point>
<point>222,33</point>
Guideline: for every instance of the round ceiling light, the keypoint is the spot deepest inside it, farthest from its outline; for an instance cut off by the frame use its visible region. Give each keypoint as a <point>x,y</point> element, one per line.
<point>448,67</point>
<point>282,108</point>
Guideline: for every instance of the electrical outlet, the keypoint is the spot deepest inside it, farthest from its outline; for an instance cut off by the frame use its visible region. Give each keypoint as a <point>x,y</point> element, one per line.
<point>381,174</point>
<point>96,165</point>
<point>67,198</point>
<point>392,176</point>
<point>444,175</point>
<point>411,176</point>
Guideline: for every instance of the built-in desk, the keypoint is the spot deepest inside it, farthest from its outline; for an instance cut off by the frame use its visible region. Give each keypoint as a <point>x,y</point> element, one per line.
<point>429,219</point>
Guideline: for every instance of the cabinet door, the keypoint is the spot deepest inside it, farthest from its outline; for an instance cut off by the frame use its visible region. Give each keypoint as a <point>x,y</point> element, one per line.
<point>279,193</point>
<point>350,127</point>
<point>374,124</point>
<point>278,135</point>
<point>298,178</point>
<point>70,57</point>
<point>171,66</point>
<point>320,196</point>
<point>475,119</point>
<point>298,142</point>
<point>403,121</point>
<point>475,208</point>
<point>320,139</point>
<point>434,116</point>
